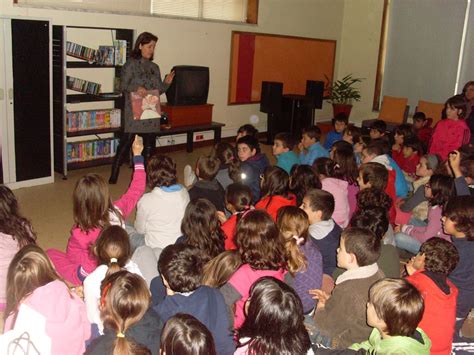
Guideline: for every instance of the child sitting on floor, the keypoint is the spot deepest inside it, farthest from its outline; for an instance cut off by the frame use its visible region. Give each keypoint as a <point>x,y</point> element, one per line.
<point>282,149</point>
<point>339,123</point>
<point>310,147</point>
<point>339,320</point>
<point>428,271</point>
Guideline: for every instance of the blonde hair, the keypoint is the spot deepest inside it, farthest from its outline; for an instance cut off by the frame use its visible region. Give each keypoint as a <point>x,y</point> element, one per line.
<point>293,225</point>
<point>219,270</point>
<point>124,300</point>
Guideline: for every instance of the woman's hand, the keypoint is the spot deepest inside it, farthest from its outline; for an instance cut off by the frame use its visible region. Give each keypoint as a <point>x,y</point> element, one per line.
<point>169,78</point>
<point>137,146</point>
<point>141,91</point>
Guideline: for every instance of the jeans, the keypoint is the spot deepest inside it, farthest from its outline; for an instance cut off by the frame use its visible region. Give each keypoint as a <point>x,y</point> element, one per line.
<point>314,333</point>
<point>405,242</point>
<point>417,222</point>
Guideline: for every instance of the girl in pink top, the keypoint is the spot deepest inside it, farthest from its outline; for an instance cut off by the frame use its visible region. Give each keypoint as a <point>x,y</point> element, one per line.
<point>275,321</point>
<point>93,210</point>
<point>15,232</point>
<point>451,133</point>
<point>40,303</point>
<point>327,170</point>
<point>261,250</point>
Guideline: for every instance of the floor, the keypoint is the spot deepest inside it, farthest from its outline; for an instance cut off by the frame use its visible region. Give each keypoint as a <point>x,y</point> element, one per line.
<point>49,207</point>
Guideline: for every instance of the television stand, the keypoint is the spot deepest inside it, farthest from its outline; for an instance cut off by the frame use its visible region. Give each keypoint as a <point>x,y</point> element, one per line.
<point>188,115</point>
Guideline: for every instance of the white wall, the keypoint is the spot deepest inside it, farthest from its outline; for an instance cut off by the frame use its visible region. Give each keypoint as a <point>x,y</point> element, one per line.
<point>355,24</point>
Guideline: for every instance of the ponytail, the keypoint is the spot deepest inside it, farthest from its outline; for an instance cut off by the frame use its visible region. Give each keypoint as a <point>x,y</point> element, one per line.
<point>113,248</point>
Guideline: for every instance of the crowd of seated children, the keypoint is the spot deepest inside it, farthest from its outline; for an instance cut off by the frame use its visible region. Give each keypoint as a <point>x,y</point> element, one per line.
<point>207,186</point>
<point>93,210</point>
<point>414,210</point>
<point>400,134</point>
<point>181,268</point>
<point>283,145</point>
<point>410,158</point>
<point>340,123</point>
<point>422,129</point>
<point>310,146</point>
<point>438,191</point>
<point>451,133</point>
<point>303,179</point>
<point>238,199</point>
<point>15,232</point>
<point>327,171</point>
<point>342,153</point>
<point>274,186</point>
<point>303,258</point>
<point>252,164</point>
<point>113,252</point>
<point>428,271</point>
<point>358,253</point>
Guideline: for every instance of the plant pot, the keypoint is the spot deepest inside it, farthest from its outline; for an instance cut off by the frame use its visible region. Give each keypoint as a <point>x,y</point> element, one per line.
<point>341,108</point>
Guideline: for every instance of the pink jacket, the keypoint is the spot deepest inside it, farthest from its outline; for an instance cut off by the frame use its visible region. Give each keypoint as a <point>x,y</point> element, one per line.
<point>242,280</point>
<point>8,249</point>
<point>339,189</point>
<point>433,229</point>
<point>53,315</point>
<point>449,135</point>
<point>78,261</point>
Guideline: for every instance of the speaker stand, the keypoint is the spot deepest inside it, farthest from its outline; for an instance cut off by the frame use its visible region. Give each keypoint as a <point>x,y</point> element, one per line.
<point>271,126</point>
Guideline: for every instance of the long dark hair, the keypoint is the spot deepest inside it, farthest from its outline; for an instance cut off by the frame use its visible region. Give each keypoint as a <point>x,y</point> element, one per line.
<point>143,38</point>
<point>343,156</point>
<point>442,189</point>
<point>302,179</point>
<point>202,228</point>
<point>275,183</point>
<point>11,221</point>
<point>275,321</point>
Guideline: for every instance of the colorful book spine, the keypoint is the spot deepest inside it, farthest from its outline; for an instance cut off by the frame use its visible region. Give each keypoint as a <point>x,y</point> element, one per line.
<point>92,119</point>
<point>91,150</point>
<point>81,52</point>
<point>82,85</point>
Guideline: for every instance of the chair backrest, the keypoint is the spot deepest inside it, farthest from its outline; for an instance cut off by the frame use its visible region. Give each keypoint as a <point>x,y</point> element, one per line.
<point>432,110</point>
<point>394,109</point>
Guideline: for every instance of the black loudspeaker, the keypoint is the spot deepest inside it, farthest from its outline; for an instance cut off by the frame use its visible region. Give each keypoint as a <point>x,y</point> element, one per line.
<point>271,94</point>
<point>315,90</point>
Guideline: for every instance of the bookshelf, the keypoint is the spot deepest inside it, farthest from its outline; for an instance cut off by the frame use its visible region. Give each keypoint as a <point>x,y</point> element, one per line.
<point>85,125</point>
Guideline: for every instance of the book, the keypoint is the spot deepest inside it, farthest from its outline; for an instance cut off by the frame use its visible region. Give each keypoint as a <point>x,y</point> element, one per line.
<point>146,107</point>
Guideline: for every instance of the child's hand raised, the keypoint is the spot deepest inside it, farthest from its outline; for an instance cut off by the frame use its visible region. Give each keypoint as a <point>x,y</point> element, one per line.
<point>454,160</point>
<point>137,146</point>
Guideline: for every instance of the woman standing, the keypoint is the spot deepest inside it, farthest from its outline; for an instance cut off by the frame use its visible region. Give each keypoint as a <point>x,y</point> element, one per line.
<point>139,74</point>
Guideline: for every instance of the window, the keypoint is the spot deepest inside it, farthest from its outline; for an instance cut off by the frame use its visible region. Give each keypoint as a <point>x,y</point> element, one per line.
<point>224,10</point>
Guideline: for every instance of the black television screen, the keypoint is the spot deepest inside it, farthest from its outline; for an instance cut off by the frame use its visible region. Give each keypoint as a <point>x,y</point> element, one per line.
<point>190,86</point>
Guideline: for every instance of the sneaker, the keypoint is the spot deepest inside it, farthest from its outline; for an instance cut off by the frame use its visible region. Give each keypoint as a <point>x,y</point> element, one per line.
<point>189,176</point>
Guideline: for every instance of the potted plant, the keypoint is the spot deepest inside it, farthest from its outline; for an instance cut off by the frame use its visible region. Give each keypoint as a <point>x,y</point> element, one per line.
<point>341,93</point>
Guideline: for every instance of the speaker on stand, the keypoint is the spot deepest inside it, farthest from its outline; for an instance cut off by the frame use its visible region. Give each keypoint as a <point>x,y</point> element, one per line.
<point>315,91</point>
<point>270,103</point>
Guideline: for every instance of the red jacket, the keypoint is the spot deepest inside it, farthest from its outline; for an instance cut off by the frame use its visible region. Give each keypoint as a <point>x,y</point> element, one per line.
<point>229,227</point>
<point>390,191</point>
<point>275,204</point>
<point>440,312</point>
<point>408,165</point>
<point>449,135</point>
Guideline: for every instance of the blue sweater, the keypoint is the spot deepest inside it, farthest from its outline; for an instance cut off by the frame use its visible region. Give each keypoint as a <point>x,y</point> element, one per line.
<point>463,276</point>
<point>208,306</point>
<point>287,160</point>
<point>401,187</point>
<point>331,138</point>
<point>314,152</point>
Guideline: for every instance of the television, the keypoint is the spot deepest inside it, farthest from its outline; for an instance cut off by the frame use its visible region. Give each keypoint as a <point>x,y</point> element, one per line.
<point>190,86</point>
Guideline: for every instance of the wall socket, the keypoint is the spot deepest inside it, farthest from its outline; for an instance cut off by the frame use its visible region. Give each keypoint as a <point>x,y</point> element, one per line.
<point>199,137</point>
<point>170,141</point>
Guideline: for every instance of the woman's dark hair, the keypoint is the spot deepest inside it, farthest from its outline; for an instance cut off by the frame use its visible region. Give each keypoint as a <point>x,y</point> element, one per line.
<point>258,241</point>
<point>460,210</point>
<point>302,179</point>
<point>441,256</point>
<point>374,219</point>
<point>459,103</point>
<point>185,335</point>
<point>275,321</point>
<point>143,38</point>
<point>202,228</point>
<point>343,156</point>
<point>161,171</point>
<point>373,197</point>
<point>442,189</point>
<point>12,222</point>
<point>275,183</point>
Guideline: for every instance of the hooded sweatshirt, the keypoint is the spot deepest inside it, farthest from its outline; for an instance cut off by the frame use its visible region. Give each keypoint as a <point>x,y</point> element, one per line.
<point>339,189</point>
<point>208,306</point>
<point>53,315</point>
<point>253,168</point>
<point>326,235</point>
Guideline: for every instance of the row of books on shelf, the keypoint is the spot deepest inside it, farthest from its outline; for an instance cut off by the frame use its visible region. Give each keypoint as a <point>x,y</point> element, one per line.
<point>105,55</point>
<point>92,119</point>
<point>91,150</point>
<point>82,85</point>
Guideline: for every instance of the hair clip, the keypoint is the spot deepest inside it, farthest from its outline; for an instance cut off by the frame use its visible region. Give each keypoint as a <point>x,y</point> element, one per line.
<point>113,260</point>
<point>298,239</point>
<point>120,335</point>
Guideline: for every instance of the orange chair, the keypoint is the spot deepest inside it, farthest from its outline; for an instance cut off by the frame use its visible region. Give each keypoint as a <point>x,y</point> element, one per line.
<point>432,110</point>
<point>394,112</point>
